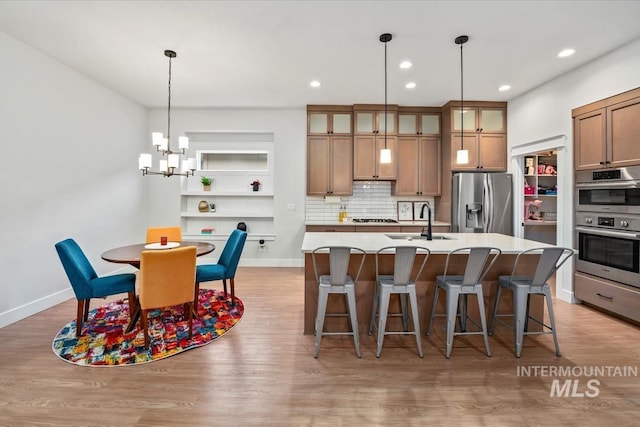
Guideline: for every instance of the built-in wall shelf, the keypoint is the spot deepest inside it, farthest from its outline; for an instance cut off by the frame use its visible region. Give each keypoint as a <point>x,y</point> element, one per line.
<point>228,193</point>
<point>224,237</point>
<point>540,197</point>
<point>236,215</point>
<point>230,199</point>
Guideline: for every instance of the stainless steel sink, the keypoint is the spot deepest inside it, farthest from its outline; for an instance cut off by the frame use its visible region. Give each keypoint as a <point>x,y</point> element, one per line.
<point>410,237</point>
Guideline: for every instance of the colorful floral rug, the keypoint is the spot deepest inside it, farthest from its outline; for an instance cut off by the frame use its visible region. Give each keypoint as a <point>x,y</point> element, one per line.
<point>105,343</point>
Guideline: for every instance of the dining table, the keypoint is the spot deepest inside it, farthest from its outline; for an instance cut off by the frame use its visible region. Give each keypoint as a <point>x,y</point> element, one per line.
<point>130,254</point>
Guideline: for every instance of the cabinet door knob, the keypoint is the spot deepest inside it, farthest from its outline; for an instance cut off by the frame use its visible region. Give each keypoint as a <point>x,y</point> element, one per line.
<point>602,163</point>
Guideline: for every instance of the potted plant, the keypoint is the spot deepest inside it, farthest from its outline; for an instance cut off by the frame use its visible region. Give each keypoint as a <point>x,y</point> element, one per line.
<point>206,183</point>
<point>256,185</point>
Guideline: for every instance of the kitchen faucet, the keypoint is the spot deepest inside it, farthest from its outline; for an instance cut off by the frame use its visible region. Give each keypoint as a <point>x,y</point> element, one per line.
<point>428,234</point>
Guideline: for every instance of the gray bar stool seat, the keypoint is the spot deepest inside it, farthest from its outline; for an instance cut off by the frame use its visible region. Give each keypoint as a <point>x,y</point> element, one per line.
<point>337,282</point>
<point>479,262</point>
<point>402,283</point>
<point>522,286</point>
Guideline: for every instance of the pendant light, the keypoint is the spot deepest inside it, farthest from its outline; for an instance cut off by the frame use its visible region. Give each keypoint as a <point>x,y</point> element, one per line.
<point>385,153</point>
<point>169,165</point>
<point>462,157</point>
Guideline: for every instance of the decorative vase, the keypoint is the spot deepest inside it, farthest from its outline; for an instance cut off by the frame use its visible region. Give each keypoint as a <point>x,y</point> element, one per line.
<point>203,206</point>
<point>256,187</point>
<point>206,187</point>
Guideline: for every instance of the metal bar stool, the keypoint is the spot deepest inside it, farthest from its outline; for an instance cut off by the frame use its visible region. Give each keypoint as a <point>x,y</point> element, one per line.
<point>550,260</point>
<point>479,262</point>
<point>401,283</point>
<point>337,282</point>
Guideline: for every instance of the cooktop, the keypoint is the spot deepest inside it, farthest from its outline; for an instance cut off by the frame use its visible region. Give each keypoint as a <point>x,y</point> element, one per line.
<point>385,220</point>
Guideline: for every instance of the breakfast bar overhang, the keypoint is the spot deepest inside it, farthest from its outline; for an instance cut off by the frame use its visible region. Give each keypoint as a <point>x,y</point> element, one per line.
<point>440,247</point>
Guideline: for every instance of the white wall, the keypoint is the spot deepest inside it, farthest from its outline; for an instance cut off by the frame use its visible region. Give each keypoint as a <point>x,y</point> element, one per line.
<point>544,115</point>
<point>289,130</point>
<point>69,151</point>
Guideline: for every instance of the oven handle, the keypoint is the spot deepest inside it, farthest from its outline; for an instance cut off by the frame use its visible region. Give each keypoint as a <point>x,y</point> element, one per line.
<point>609,185</point>
<point>610,233</point>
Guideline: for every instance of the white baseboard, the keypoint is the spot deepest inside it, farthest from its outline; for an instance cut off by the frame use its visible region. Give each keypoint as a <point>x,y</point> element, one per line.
<point>18,313</point>
<point>34,307</point>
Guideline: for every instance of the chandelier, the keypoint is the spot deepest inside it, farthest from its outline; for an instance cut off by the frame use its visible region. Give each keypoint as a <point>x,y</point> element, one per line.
<point>171,161</point>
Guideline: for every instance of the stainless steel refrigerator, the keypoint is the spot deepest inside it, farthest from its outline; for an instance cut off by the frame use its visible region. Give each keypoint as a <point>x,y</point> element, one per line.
<point>482,203</point>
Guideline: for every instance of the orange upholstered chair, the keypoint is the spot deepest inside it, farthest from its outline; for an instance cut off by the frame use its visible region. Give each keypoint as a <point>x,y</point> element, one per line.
<point>174,234</point>
<point>167,278</point>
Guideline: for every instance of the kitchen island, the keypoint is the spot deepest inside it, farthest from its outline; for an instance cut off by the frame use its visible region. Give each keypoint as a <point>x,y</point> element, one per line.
<point>425,285</point>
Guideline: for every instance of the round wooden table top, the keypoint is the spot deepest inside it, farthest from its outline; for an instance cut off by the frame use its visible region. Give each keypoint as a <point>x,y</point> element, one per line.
<point>131,254</point>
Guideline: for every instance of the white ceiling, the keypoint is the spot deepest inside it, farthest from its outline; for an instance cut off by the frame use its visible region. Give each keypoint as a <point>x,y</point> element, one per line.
<point>265,53</point>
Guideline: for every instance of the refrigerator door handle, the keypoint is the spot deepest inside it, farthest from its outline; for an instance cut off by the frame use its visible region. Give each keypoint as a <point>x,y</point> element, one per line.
<point>487,196</point>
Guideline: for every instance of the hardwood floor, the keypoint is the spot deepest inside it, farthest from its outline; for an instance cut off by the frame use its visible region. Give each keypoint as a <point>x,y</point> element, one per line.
<point>263,373</point>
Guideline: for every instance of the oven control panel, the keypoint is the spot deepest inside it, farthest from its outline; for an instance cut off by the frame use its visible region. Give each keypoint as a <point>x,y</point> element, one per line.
<point>602,220</point>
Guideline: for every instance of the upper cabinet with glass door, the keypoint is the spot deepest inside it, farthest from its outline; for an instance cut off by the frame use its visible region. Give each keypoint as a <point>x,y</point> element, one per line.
<point>418,121</point>
<point>370,119</point>
<point>479,118</point>
<point>329,120</point>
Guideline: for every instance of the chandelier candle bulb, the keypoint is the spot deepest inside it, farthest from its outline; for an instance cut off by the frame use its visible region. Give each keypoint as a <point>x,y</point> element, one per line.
<point>156,138</point>
<point>173,160</point>
<point>144,161</point>
<point>183,143</point>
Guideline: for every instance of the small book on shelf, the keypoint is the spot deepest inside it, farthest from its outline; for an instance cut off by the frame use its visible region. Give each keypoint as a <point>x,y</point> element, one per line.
<point>206,231</point>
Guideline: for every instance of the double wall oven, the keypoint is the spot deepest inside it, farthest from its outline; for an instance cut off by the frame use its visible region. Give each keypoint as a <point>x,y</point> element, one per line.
<point>607,232</point>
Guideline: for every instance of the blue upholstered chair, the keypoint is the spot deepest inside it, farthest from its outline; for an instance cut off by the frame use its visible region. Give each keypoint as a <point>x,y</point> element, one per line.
<point>226,266</point>
<point>86,284</point>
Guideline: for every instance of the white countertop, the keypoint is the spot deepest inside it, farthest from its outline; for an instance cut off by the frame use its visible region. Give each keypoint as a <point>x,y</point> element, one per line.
<point>381,224</point>
<point>372,242</point>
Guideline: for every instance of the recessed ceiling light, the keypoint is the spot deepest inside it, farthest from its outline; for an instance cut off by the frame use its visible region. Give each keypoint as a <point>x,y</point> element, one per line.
<point>405,64</point>
<point>315,83</point>
<point>410,85</point>
<point>566,52</point>
<point>504,88</point>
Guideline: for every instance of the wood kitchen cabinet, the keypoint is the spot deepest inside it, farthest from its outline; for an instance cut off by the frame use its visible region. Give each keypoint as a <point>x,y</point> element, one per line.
<point>329,165</point>
<point>329,150</point>
<point>369,139</point>
<point>482,128</point>
<point>366,158</point>
<point>487,152</point>
<point>420,174</point>
<point>606,133</point>
<point>418,121</point>
<point>329,120</point>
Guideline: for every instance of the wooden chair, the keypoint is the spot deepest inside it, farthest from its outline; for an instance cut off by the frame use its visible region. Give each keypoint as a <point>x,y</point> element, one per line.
<point>174,234</point>
<point>167,278</point>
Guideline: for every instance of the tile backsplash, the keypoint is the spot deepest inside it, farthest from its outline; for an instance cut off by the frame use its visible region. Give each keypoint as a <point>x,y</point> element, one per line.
<point>370,199</point>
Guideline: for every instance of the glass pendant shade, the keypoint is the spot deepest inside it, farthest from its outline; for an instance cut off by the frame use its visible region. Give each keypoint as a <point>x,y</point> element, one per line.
<point>385,155</point>
<point>462,157</point>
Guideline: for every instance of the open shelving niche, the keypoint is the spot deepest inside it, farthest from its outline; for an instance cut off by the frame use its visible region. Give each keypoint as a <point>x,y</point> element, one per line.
<point>232,172</point>
<point>540,174</point>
